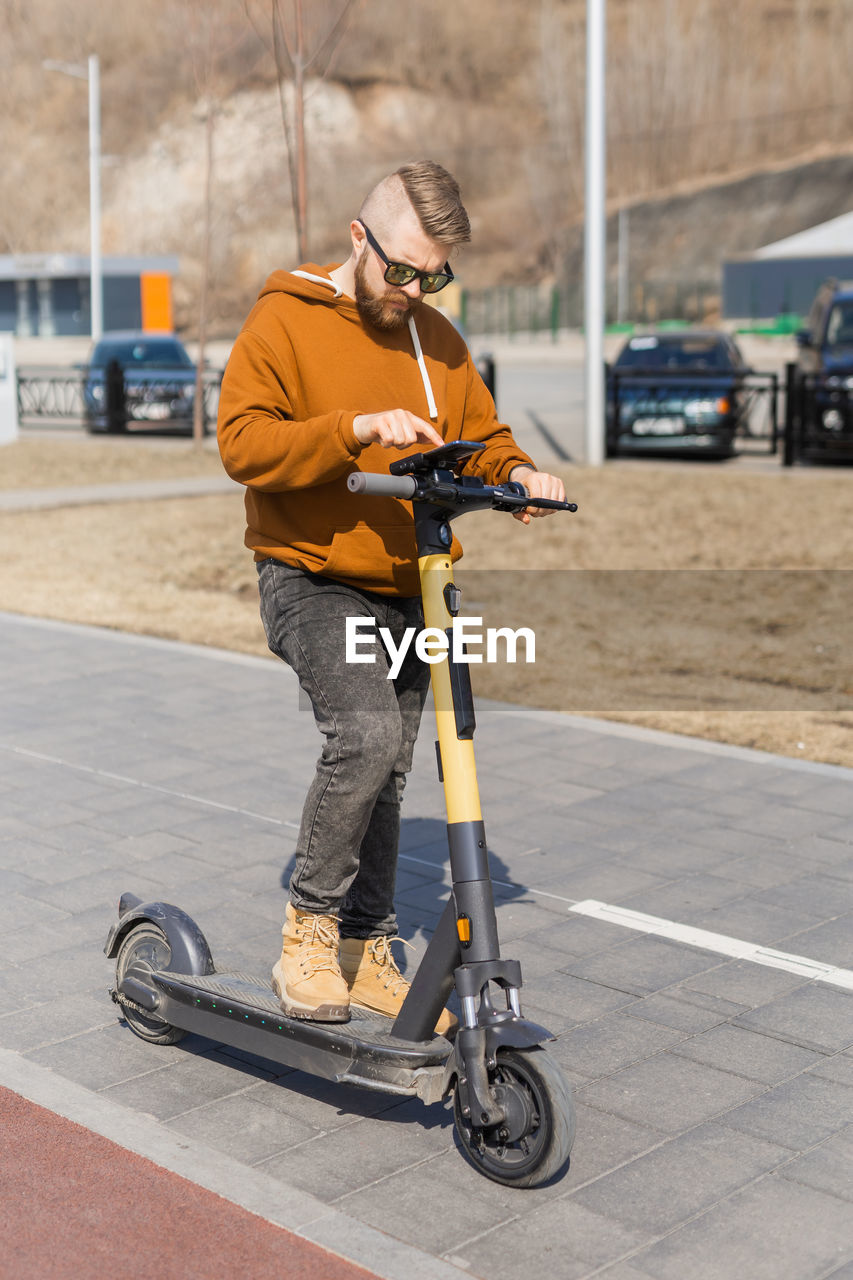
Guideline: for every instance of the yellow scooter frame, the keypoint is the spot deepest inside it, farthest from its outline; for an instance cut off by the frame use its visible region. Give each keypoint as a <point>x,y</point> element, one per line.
<point>464,950</point>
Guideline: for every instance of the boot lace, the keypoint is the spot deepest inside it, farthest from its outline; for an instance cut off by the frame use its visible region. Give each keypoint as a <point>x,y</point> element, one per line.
<point>318,938</point>
<point>388,974</point>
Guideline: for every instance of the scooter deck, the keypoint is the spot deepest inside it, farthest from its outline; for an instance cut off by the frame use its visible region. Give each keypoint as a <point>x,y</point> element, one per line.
<point>242,1010</point>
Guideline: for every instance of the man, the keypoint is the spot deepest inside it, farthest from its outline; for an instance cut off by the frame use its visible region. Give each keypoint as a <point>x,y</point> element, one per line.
<point>339,369</point>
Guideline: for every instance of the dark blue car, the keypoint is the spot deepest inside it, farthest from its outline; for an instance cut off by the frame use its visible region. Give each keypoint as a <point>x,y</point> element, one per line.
<point>825,369</point>
<point>139,381</point>
<point>677,392</point>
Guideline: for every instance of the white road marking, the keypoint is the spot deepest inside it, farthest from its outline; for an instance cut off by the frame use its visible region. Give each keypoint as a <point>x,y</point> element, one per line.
<point>719,943</point>
<point>146,786</point>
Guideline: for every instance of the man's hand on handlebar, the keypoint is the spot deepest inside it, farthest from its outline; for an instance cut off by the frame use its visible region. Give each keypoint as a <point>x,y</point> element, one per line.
<point>394,429</point>
<point>539,484</point>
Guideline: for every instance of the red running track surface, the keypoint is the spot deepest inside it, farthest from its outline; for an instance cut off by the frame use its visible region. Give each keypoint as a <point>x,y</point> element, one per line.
<point>76,1206</point>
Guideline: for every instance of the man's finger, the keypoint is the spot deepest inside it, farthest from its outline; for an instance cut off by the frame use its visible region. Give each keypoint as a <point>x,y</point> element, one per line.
<point>427,432</point>
<point>420,428</point>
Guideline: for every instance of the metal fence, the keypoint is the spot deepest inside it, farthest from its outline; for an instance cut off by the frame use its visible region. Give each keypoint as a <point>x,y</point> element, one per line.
<point>818,417</point>
<point>147,402</point>
<point>50,393</point>
<point>507,310</point>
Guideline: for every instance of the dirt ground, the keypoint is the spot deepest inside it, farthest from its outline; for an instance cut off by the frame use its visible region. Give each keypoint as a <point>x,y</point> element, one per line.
<point>704,600</point>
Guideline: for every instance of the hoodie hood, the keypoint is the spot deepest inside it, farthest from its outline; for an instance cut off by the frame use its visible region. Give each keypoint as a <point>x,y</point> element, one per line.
<point>313,283</point>
<point>309,281</point>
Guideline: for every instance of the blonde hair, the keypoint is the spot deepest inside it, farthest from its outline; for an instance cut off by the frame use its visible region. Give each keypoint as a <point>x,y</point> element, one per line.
<point>431,192</point>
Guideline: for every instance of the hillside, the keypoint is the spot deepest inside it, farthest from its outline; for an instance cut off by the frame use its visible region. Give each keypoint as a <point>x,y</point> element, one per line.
<point>726,129</point>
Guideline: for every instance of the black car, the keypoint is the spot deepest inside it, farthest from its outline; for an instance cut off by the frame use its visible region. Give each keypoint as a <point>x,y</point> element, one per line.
<point>824,382</point>
<point>676,392</point>
<point>139,381</point>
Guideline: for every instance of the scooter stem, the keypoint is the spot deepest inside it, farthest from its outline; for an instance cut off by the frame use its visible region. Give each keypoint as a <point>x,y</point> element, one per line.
<point>459,770</point>
<point>467,931</point>
<point>464,947</point>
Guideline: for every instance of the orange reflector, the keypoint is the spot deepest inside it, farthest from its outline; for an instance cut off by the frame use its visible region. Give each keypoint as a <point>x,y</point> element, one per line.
<point>463,928</point>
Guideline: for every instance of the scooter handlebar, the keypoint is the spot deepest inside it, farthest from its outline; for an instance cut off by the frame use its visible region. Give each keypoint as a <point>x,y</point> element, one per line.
<point>511,496</point>
<point>380,485</point>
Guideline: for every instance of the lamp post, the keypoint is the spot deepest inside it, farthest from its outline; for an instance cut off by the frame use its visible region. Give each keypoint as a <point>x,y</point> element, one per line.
<point>92,73</point>
<point>594,241</point>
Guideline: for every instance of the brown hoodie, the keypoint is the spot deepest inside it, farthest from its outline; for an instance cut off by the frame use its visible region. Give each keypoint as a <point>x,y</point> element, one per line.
<point>304,366</point>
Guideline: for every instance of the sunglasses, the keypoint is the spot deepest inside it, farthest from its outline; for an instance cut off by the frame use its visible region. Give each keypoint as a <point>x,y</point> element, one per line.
<point>400,273</point>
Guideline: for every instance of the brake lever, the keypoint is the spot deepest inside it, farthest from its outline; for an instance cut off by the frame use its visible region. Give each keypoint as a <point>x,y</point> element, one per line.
<point>519,498</point>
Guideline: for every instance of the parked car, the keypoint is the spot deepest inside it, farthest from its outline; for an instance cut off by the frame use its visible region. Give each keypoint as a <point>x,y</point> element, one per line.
<point>825,370</point>
<point>138,380</point>
<point>826,344</point>
<point>677,392</point>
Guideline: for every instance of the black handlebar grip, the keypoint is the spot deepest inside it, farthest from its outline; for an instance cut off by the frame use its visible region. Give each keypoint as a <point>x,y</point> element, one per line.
<point>381,486</point>
<point>551,504</point>
<point>517,488</point>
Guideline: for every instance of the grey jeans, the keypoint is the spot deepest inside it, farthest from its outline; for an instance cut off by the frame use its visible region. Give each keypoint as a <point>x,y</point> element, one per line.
<point>346,853</point>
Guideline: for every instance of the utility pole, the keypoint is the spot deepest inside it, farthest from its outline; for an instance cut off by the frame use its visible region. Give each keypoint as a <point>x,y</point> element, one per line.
<point>198,402</point>
<point>622,294</point>
<point>595,230</point>
<point>96,269</point>
<point>299,121</point>
<point>92,73</point>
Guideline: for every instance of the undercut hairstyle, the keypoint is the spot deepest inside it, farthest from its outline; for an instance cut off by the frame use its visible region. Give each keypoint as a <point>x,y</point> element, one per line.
<point>432,193</point>
<point>435,197</point>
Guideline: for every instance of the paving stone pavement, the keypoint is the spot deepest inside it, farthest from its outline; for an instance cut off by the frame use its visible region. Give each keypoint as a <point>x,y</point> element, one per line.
<point>714,1094</point>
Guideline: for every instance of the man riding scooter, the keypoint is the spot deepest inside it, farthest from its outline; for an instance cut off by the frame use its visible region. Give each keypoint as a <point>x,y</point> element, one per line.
<point>337,368</point>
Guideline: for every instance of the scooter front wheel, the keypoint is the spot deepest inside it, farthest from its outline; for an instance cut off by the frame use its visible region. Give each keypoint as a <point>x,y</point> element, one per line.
<point>145,949</point>
<point>533,1144</point>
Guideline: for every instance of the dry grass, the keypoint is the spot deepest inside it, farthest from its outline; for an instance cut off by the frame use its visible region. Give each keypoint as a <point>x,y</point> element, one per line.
<point>714,603</point>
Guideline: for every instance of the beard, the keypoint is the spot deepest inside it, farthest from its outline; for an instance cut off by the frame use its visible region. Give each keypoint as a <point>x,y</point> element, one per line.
<point>382,310</point>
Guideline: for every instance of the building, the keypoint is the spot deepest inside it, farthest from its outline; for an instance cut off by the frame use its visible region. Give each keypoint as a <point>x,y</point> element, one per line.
<point>47,294</point>
<point>783,277</point>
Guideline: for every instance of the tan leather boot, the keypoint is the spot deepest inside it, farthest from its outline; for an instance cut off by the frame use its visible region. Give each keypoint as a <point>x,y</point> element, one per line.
<point>376,983</point>
<point>307,979</point>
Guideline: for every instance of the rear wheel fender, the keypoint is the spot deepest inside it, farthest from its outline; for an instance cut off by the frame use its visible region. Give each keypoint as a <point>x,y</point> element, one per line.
<point>187,943</point>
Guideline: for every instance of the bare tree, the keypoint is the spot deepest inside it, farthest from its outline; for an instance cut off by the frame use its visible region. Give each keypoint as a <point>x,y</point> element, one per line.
<point>209,112</point>
<point>303,44</point>
<point>211,37</point>
<point>561,84</point>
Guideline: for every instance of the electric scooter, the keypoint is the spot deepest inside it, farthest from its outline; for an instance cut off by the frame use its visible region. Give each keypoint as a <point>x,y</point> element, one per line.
<point>512,1108</point>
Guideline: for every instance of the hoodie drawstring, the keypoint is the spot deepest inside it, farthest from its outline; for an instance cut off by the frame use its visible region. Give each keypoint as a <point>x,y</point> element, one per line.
<point>433,408</point>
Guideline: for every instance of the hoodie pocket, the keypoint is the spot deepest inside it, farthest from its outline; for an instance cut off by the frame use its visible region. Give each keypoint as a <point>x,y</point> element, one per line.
<point>374,557</point>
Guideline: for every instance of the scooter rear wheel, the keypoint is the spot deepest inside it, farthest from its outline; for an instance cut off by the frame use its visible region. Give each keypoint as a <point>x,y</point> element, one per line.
<point>144,949</point>
<point>535,1142</point>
